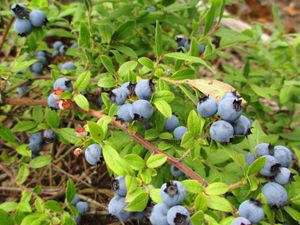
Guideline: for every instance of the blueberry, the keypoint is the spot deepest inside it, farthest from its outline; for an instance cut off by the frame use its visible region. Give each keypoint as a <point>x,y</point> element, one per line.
<point>151,9</point>
<point>77,219</point>
<point>271,166</point>
<point>55,53</point>
<point>62,50</point>
<point>43,60</point>
<point>129,87</point>
<point>23,89</point>
<point>230,109</point>
<point>181,40</point>
<point>263,149</point>
<point>178,215</point>
<point>159,214</point>
<point>74,45</point>
<point>221,131</point>
<point>252,211</point>
<point>41,54</point>
<point>202,48</point>
<point>172,123</point>
<point>49,136</point>
<point>67,66</point>
<point>22,27</point>
<point>232,94</point>
<point>144,89</point>
<point>119,186</point>
<point>242,126</point>
<point>37,18</point>
<point>187,45</point>
<point>19,10</point>
<point>35,143</point>
<point>139,216</point>
<point>176,172</point>
<point>283,155</point>
<point>179,132</point>
<point>249,158</point>
<point>37,68</point>
<point>172,193</point>
<point>52,101</point>
<point>82,207</point>
<point>118,95</point>
<point>240,221</point>
<point>283,176</point>
<point>75,200</point>
<point>207,106</point>
<point>63,84</point>
<point>275,194</point>
<point>142,109</point>
<point>56,45</point>
<point>93,154</point>
<point>116,207</point>
<point>125,113</point>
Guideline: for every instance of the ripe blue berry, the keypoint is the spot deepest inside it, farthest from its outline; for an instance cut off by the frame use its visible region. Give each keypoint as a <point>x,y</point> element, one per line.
<point>172,123</point>
<point>201,48</point>
<point>263,149</point>
<point>22,27</point>
<point>19,10</point>
<point>172,193</point>
<point>252,211</point>
<point>118,95</point>
<point>230,109</point>
<point>74,45</point>
<point>271,166</point>
<point>142,109</point>
<point>181,40</point>
<point>275,194</point>
<point>63,84</point>
<point>75,200</point>
<point>249,158</point>
<point>144,89</point>
<point>159,214</point>
<point>283,155</point>
<point>242,126</point>
<point>176,172</point>
<point>179,132</point>
<point>43,60</point>
<point>93,154</point>
<point>62,50</point>
<point>207,106</point>
<point>49,136</point>
<point>283,176</point>
<point>82,207</point>
<point>35,143</point>
<point>221,131</point>
<point>52,102</point>
<point>240,221</point>
<point>23,89</point>
<point>125,113</point>
<point>67,66</point>
<point>56,45</point>
<point>116,207</point>
<point>119,186</point>
<point>139,216</point>
<point>129,87</point>
<point>37,67</point>
<point>41,54</point>
<point>37,18</point>
<point>178,215</point>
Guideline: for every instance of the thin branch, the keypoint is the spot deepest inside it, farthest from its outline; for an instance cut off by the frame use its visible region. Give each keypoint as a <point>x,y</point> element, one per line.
<point>5,32</point>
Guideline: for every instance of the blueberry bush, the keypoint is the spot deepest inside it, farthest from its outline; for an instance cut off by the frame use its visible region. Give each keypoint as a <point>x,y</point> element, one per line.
<point>146,112</point>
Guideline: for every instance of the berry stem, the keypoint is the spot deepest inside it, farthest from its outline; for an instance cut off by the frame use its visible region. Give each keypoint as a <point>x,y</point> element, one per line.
<point>5,32</point>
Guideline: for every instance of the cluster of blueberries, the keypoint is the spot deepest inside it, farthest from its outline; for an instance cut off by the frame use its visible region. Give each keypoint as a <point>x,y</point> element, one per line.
<point>278,159</point>
<point>117,204</point>
<point>26,21</point>
<point>36,140</point>
<point>170,212</point>
<point>230,110</point>
<point>183,44</point>
<point>60,49</point>
<point>81,206</point>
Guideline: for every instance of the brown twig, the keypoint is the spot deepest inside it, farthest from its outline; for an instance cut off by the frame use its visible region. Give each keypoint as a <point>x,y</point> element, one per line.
<point>5,32</point>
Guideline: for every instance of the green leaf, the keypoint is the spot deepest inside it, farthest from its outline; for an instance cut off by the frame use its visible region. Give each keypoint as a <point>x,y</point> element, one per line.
<point>146,62</point>
<point>96,131</point>
<point>201,202</point>
<point>184,74</point>
<point>37,114</point>
<point>163,107</point>
<point>126,67</point>
<point>84,36</point>
<point>107,82</point>
<point>156,160</point>
<point>139,203</point>
<point>39,205</point>
<point>24,126</point>
<point>81,101</point>
<point>217,188</point>
<point>229,37</point>
<point>126,50</point>
<point>295,214</point>
<point>135,161</point>
<point>192,186</point>
<point>52,118</point>
<point>131,183</point>
<point>195,123</point>
<point>211,16</point>
<point>68,135</point>
<point>124,31</point>
<point>82,81</point>
<point>155,195</point>
<point>158,40</point>
<point>22,150</point>
<point>188,58</point>
<point>53,205</point>
<point>8,206</point>
<point>70,190</point>
<point>23,173</point>
<point>256,166</point>
<point>198,218</point>
<point>218,203</point>
<point>5,218</point>
<point>107,63</point>
<point>7,135</point>
<point>167,96</point>
<point>40,161</point>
